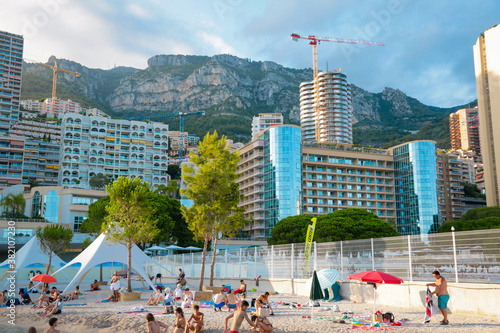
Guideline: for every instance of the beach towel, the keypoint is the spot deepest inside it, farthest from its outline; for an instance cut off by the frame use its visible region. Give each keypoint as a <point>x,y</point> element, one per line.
<point>429,304</point>
<point>76,304</point>
<point>115,286</point>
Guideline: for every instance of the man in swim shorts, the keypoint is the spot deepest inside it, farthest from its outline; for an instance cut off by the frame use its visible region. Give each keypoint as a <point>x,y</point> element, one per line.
<point>441,292</point>
<point>238,317</point>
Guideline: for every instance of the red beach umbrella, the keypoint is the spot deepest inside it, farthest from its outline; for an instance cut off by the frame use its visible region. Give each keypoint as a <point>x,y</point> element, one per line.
<point>44,278</point>
<point>374,277</point>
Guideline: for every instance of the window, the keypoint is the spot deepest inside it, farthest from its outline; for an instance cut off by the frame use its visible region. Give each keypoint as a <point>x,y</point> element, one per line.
<point>77,223</point>
<point>51,207</point>
<point>36,205</point>
<point>80,201</point>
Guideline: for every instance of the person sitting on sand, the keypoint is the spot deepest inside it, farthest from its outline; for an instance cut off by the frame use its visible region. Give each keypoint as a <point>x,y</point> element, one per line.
<point>241,299</point>
<point>95,286</point>
<point>52,326</point>
<point>47,298</point>
<point>168,298</point>
<point>180,321</point>
<point>2,297</point>
<point>262,324</point>
<point>261,301</point>
<point>154,326</point>
<point>238,317</point>
<point>114,285</point>
<point>242,289</point>
<point>31,288</point>
<point>73,295</point>
<point>188,298</point>
<point>156,298</point>
<point>112,298</point>
<point>231,301</point>
<point>219,300</point>
<point>197,318</point>
<point>53,309</point>
<point>182,277</point>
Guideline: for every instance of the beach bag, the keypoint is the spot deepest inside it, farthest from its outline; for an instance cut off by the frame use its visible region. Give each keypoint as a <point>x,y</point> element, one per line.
<point>388,316</point>
<point>264,312</point>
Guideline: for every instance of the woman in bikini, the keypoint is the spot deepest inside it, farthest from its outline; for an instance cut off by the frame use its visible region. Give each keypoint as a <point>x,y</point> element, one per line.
<point>154,326</point>
<point>180,321</point>
<point>262,323</point>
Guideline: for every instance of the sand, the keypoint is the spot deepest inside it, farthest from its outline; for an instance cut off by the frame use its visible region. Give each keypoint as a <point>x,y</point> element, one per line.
<point>103,317</point>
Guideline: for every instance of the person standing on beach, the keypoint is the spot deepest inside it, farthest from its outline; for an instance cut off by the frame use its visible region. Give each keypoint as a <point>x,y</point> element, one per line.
<point>261,301</point>
<point>154,326</point>
<point>441,292</point>
<point>238,317</point>
<point>53,325</point>
<point>115,286</point>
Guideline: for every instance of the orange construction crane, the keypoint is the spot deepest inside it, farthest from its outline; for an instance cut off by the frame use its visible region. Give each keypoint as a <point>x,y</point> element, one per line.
<point>314,41</point>
<point>56,69</point>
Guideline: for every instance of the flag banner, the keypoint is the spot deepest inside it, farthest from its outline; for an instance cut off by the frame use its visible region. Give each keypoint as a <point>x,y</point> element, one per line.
<point>309,240</point>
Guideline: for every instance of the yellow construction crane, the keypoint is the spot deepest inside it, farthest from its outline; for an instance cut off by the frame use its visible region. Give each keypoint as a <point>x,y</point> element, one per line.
<point>56,69</point>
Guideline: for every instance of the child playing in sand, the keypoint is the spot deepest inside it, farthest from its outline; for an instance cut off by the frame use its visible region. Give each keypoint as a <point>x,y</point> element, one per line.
<point>180,321</point>
<point>154,326</point>
<point>197,318</point>
<point>262,324</point>
<point>238,317</point>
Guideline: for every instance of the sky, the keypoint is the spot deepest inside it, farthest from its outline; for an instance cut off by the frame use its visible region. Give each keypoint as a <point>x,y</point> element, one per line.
<point>427,53</point>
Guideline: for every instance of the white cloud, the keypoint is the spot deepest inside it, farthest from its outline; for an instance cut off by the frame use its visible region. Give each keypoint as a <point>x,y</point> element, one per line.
<point>137,10</point>
<point>217,44</point>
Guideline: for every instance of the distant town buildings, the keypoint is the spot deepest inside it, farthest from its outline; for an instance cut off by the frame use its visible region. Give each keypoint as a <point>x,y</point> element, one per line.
<point>415,178</point>
<point>331,120</point>
<point>264,121</point>
<point>11,160</point>
<point>464,130</point>
<point>450,186</point>
<point>113,147</point>
<point>487,68</point>
<point>29,104</point>
<point>95,112</point>
<point>11,62</point>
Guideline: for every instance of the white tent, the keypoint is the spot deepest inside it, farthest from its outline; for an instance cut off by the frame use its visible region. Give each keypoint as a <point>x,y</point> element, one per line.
<point>31,254</point>
<point>101,251</point>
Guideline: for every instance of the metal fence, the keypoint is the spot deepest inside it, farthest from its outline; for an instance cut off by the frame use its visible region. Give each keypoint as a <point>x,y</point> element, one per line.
<point>474,256</point>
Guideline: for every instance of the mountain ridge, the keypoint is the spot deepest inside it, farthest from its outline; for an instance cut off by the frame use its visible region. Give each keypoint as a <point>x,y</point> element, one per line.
<point>231,90</point>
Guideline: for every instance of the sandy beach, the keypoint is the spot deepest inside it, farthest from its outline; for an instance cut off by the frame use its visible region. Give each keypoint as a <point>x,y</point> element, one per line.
<point>104,317</point>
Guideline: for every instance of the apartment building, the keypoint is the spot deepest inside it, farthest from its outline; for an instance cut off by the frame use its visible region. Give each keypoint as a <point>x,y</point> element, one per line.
<point>331,119</point>
<point>32,105</point>
<point>95,112</point>
<point>487,68</point>
<point>464,130</point>
<point>50,130</point>
<point>270,178</point>
<point>265,120</point>
<point>11,63</point>
<point>11,160</point>
<point>41,162</point>
<point>416,187</point>
<point>60,107</point>
<point>193,139</point>
<point>336,178</point>
<point>450,189</point>
<point>113,147</point>
<point>178,140</point>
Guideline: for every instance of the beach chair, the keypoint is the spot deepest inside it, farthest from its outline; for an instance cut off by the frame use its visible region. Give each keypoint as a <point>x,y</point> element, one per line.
<point>25,297</point>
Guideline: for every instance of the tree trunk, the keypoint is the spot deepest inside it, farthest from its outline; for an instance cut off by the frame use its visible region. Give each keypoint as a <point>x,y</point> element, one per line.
<point>129,269</point>
<point>204,257</point>
<point>100,272</point>
<point>213,261</point>
<point>50,263</point>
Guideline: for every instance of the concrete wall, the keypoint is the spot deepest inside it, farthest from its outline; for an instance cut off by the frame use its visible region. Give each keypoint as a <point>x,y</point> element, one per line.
<point>465,298</point>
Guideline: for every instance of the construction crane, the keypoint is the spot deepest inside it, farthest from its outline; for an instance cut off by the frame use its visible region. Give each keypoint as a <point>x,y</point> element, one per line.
<point>314,41</point>
<point>56,69</point>
<point>181,115</point>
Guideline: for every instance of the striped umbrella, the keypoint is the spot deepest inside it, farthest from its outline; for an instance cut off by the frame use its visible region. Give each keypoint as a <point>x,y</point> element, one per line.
<point>327,277</point>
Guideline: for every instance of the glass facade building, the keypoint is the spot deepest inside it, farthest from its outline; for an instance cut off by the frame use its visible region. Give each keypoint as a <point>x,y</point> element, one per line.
<point>416,194</point>
<point>270,179</point>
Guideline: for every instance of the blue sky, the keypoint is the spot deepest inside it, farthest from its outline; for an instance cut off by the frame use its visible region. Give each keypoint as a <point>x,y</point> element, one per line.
<point>427,52</point>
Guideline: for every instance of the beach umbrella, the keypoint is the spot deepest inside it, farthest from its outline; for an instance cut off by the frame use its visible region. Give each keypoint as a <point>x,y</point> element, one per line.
<point>327,277</point>
<point>156,248</point>
<point>174,247</point>
<point>43,278</point>
<point>316,292</point>
<point>192,248</point>
<point>374,277</point>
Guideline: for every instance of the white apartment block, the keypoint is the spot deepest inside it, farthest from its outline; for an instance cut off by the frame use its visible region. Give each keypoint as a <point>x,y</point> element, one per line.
<point>95,112</point>
<point>265,120</point>
<point>113,147</point>
<point>32,105</point>
<point>61,107</point>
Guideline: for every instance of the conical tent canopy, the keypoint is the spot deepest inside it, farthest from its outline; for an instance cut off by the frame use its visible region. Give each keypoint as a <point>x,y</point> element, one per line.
<point>101,251</point>
<point>316,292</point>
<point>31,254</point>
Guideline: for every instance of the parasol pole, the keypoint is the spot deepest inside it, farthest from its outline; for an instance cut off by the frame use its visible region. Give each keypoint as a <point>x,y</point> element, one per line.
<point>374,299</point>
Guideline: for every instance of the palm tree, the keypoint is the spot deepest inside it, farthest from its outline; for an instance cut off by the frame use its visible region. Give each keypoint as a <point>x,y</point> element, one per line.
<point>13,204</point>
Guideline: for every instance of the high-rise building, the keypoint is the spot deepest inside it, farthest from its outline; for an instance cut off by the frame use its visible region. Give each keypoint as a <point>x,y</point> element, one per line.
<point>270,178</point>
<point>450,171</point>
<point>113,147</point>
<point>11,160</point>
<point>335,179</point>
<point>332,120</point>
<point>265,120</point>
<point>11,62</point>
<point>487,68</point>
<point>464,130</point>
<point>415,178</point>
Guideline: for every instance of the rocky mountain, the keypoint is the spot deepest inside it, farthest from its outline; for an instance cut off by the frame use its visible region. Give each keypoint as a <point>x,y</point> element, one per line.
<point>229,89</point>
